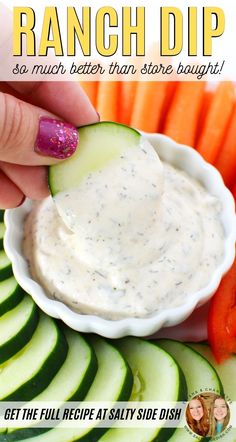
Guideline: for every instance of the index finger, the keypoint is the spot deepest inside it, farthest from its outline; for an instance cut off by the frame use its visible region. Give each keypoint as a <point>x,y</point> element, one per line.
<point>65,99</point>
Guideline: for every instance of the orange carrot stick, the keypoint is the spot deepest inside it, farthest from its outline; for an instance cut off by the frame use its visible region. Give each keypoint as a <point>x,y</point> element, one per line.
<point>220,330</point>
<point>126,101</point>
<point>148,105</point>
<point>170,92</point>
<point>107,100</point>
<point>216,122</point>
<point>206,103</point>
<point>91,88</point>
<point>182,118</point>
<point>226,161</point>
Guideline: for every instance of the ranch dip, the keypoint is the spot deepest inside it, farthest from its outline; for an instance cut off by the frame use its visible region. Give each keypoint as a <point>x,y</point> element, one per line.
<point>134,238</point>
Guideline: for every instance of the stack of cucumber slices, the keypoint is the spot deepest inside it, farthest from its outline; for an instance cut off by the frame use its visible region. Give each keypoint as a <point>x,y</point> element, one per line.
<point>43,360</point>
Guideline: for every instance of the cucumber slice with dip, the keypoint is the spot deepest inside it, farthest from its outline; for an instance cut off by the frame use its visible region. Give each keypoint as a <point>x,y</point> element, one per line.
<point>99,145</point>
<point>102,188</point>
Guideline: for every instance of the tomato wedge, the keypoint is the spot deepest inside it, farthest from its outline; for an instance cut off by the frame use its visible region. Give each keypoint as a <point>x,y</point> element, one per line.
<point>222,317</point>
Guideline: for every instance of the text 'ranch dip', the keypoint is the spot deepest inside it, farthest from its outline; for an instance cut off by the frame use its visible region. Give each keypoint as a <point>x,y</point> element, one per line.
<point>140,236</point>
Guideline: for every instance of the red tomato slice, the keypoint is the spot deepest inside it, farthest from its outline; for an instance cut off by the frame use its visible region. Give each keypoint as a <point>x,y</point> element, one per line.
<point>222,317</point>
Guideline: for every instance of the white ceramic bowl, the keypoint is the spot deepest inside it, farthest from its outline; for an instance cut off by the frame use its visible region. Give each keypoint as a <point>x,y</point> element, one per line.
<point>182,157</point>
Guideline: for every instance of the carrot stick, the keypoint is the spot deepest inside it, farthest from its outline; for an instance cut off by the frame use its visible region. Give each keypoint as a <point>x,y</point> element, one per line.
<point>148,105</point>
<point>107,100</point>
<point>182,118</point>
<point>206,103</point>
<point>171,89</point>
<point>126,101</point>
<point>222,342</point>
<point>226,161</point>
<point>216,122</point>
<point>90,88</point>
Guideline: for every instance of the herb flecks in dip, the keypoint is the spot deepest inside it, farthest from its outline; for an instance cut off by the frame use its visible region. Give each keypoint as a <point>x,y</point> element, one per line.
<point>140,236</point>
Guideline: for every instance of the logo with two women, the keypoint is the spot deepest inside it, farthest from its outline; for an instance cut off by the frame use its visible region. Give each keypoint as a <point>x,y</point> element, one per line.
<point>208,414</point>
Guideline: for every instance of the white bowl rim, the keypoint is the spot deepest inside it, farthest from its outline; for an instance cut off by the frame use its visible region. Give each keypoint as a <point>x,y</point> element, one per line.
<point>127,326</point>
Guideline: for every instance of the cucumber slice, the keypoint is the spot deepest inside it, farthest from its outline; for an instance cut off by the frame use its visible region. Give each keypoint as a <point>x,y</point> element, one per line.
<point>76,376</point>
<point>113,382</point>
<point>5,266</point>
<point>10,295</point>
<point>30,371</point>
<point>182,435</point>
<point>88,187</point>
<point>17,327</point>
<point>99,144</point>
<point>226,371</point>
<point>78,179</point>
<point>2,232</point>
<point>200,375</point>
<point>156,377</point>
<point>1,215</point>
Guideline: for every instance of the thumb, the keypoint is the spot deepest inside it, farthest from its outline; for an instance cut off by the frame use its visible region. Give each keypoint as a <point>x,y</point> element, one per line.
<point>32,136</point>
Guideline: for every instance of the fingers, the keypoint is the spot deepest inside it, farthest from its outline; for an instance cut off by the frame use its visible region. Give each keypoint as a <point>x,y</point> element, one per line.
<point>32,181</point>
<point>30,136</point>
<point>10,195</point>
<point>7,89</point>
<point>65,99</point>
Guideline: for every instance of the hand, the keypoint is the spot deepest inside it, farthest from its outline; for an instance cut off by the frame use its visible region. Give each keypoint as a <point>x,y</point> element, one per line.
<point>31,139</point>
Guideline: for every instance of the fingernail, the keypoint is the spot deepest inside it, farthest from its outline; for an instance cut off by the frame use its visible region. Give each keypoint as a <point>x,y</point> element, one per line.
<point>56,138</point>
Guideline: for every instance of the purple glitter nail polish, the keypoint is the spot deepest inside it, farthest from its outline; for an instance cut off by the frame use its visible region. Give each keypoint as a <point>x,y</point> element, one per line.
<point>56,138</point>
